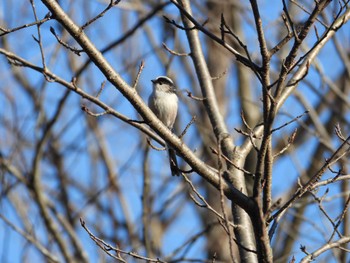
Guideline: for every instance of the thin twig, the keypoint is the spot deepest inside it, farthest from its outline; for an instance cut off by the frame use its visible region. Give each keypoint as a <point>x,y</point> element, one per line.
<point>30,238</point>
<point>88,111</point>
<point>341,218</point>
<point>338,132</point>
<point>73,49</point>
<point>204,204</point>
<point>336,244</point>
<point>198,26</point>
<point>103,84</point>
<point>37,22</point>
<point>39,39</point>
<point>174,52</point>
<point>172,22</point>
<point>285,148</point>
<point>110,5</point>
<point>337,155</point>
<point>324,212</point>
<point>154,147</point>
<point>189,94</point>
<point>126,36</point>
<point>193,120</point>
<point>289,19</point>
<point>289,122</point>
<point>142,65</point>
<point>232,163</point>
<point>220,75</point>
<point>107,247</point>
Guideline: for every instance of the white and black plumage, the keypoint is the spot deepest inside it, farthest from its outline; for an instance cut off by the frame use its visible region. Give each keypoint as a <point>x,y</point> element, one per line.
<point>163,101</point>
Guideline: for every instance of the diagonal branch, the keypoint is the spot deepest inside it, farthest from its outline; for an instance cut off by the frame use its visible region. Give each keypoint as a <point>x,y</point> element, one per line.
<point>312,256</point>
<point>131,95</point>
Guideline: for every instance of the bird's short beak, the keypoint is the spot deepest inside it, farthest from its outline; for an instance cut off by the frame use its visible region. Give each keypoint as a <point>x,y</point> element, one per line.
<point>153,80</point>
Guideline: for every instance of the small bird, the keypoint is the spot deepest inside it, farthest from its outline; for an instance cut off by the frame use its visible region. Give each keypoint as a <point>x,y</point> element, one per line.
<point>163,101</point>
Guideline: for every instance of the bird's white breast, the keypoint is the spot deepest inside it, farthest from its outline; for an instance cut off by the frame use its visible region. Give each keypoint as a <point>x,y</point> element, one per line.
<point>165,106</point>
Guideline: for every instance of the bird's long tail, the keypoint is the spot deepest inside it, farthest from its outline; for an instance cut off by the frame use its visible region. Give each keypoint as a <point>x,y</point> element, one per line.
<point>173,162</point>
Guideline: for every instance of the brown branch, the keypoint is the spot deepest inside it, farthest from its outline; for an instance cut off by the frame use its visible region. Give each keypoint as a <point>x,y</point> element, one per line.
<point>147,204</point>
<point>36,184</point>
<point>331,180</point>
<point>18,61</point>
<point>307,12</point>
<point>118,82</point>
<point>222,202</point>
<point>280,44</point>
<point>289,62</point>
<point>225,29</point>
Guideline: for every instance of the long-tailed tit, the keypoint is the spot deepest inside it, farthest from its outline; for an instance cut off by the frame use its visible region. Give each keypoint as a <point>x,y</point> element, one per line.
<point>163,102</point>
